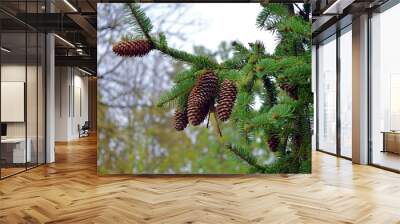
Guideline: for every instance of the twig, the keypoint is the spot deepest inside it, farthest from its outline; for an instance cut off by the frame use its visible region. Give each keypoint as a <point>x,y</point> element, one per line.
<point>208,120</point>
<point>218,129</point>
<point>217,124</point>
<point>300,10</point>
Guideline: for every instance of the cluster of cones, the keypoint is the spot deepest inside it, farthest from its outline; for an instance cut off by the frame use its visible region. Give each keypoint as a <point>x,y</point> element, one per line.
<point>202,99</point>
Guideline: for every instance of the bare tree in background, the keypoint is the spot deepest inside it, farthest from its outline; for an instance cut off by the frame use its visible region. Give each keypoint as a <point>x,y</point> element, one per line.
<point>123,81</point>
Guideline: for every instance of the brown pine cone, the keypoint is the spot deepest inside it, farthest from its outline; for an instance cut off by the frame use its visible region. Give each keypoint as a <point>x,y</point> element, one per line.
<point>264,3</point>
<point>204,89</point>
<point>197,114</point>
<point>226,100</point>
<point>273,142</point>
<point>291,90</point>
<point>202,97</point>
<point>133,48</point>
<point>180,120</point>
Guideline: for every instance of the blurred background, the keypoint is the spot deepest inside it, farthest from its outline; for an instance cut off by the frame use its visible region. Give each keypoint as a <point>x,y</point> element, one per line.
<point>135,136</point>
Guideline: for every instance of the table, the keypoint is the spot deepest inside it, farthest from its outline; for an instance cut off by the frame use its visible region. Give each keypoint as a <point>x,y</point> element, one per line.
<point>16,147</point>
<point>391,141</point>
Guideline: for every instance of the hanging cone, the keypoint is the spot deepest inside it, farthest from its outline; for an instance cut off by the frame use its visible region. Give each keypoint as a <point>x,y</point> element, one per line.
<point>133,48</point>
<point>204,89</point>
<point>273,142</point>
<point>202,97</point>
<point>290,89</point>
<point>264,3</point>
<point>298,139</point>
<point>226,100</point>
<point>197,114</point>
<point>180,120</point>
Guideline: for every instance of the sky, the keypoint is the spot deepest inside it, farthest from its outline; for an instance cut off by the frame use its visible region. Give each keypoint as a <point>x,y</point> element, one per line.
<point>224,22</point>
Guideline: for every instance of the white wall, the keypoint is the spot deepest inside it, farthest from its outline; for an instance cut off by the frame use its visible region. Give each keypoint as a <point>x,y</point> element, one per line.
<point>71,94</point>
<point>33,126</point>
<point>80,110</point>
<point>13,101</point>
<point>16,73</point>
<point>9,73</point>
<point>61,103</point>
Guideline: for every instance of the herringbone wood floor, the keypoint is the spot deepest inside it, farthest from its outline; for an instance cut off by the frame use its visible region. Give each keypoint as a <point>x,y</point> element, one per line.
<point>69,191</point>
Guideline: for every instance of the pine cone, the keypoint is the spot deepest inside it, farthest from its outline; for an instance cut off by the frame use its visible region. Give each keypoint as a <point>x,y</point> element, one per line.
<point>133,48</point>
<point>226,100</point>
<point>180,120</point>
<point>205,89</point>
<point>264,3</point>
<point>298,139</point>
<point>202,97</point>
<point>273,142</point>
<point>291,90</point>
<point>197,114</point>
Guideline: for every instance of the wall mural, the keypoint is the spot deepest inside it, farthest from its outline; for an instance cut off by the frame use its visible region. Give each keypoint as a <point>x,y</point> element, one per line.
<point>179,96</point>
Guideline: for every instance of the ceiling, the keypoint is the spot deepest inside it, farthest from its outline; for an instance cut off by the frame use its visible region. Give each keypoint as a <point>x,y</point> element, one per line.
<point>331,15</point>
<point>74,22</point>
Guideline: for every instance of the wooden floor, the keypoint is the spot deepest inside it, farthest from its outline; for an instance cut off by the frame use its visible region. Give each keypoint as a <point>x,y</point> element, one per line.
<point>10,171</point>
<point>69,191</point>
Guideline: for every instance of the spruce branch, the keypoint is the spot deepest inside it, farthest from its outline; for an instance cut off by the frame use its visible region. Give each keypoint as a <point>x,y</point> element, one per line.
<point>270,93</point>
<point>301,11</point>
<point>202,62</point>
<point>240,50</point>
<point>245,155</point>
<point>181,89</point>
<point>141,22</point>
<point>270,15</point>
